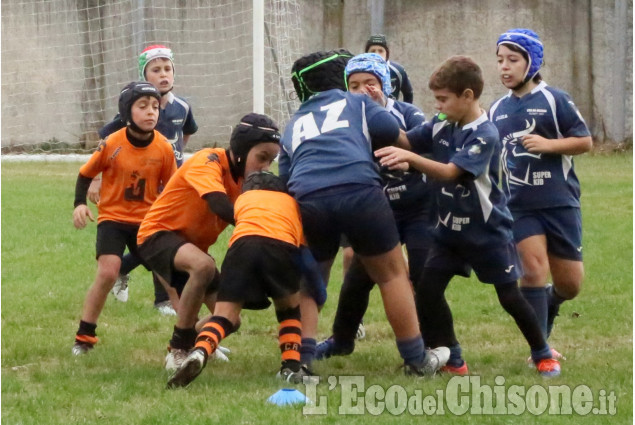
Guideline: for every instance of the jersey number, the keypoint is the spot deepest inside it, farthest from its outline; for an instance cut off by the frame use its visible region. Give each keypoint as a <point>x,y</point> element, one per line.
<point>306,128</point>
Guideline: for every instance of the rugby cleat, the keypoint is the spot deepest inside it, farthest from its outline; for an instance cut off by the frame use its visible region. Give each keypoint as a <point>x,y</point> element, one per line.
<point>435,359</point>
<point>120,290</point>
<point>456,370</point>
<point>548,368</point>
<point>174,359</point>
<point>329,348</point>
<point>165,308</point>
<point>287,375</point>
<point>189,370</point>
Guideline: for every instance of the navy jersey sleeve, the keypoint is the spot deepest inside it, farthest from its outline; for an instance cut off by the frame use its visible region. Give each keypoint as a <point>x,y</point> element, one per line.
<point>189,126</point>
<point>284,164</point>
<point>382,127</point>
<point>570,121</point>
<point>475,155</point>
<point>111,127</point>
<point>414,117</point>
<point>420,138</point>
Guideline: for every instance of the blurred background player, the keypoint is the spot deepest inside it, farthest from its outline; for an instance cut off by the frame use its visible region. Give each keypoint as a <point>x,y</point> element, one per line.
<point>409,196</point>
<point>474,229</point>
<point>541,130</point>
<point>327,160</point>
<point>176,123</point>
<point>195,206</point>
<point>399,80</point>
<point>135,162</point>
<point>263,261</point>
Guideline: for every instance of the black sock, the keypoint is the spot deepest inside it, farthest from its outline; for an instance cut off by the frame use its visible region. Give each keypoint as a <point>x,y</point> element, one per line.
<point>537,299</point>
<point>517,306</point>
<point>86,333</point>
<point>435,316</point>
<point>183,339</point>
<point>352,304</point>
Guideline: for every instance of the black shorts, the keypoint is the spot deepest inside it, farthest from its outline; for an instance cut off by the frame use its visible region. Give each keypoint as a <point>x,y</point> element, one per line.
<point>113,237</point>
<point>257,268</point>
<point>158,253</point>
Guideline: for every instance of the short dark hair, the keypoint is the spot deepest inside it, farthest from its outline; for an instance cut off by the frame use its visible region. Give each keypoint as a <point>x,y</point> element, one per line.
<point>457,74</point>
<point>514,48</point>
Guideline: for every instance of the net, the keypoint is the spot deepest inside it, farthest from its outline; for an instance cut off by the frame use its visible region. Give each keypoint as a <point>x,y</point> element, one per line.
<point>64,63</point>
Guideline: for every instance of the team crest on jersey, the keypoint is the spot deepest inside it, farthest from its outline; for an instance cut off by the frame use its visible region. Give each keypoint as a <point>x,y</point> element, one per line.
<point>474,150</point>
<point>212,157</point>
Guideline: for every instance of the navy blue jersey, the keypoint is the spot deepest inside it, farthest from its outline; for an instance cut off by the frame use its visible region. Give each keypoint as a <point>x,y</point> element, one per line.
<point>471,210</point>
<point>330,140</point>
<point>536,181</point>
<point>406,191</point>
<point>400,82</point>
<point>175,121</point>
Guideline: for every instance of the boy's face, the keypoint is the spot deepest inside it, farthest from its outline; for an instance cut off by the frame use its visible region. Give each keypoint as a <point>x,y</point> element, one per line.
<point>260,157</point>
<point>160,74</point>
<point>145,113</point>
<point>366,83</point>
<point>379,50</point>
<point>452,105</point>
<point>511,66</point>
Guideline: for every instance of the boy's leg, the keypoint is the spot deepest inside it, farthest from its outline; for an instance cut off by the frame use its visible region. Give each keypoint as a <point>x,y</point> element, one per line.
<point>128,263</point>
<point>567,278</point>
<point>107,270</point>
<point>513,302</point>
<point>535,262</point>
<point>290,339</point>
<point>389,271</point>
<point>220,326</point>
<point>163,300</point>
<point>351,307</point>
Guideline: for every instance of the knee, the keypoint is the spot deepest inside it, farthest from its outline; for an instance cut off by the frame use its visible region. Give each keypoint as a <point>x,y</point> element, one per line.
<point>203,271</point>
<point>568,288</point>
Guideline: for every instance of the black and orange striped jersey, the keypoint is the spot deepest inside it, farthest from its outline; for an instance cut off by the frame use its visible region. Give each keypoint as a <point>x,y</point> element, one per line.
<point>131,176</point>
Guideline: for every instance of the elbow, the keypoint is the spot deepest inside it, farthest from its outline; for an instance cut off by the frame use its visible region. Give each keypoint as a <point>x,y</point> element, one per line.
<point>588,144</point>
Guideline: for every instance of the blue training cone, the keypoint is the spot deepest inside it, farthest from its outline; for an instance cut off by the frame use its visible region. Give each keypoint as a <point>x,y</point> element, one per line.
<point>288,397</point>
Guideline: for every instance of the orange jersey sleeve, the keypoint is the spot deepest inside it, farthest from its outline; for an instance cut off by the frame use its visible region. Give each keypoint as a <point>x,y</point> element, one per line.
<point>181,206</point>
<point>267,213</point>
<point>131,176</point>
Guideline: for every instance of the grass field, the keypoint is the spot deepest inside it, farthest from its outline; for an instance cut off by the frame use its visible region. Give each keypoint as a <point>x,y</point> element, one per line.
<point>47,267</point>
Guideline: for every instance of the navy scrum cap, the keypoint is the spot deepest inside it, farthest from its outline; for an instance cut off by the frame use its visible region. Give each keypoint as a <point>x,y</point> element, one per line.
<point>319,71</point>
<point>529,42</point>
<point>378,40</point>
<point>130,94</point>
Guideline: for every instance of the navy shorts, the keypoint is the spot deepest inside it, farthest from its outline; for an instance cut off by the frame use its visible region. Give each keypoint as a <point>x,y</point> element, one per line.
<point>561,226</point>
<point>360,212</point>
<point>495,264</point>
<point>257,268</point>
<point>158,252</point>
<point>113,237</point>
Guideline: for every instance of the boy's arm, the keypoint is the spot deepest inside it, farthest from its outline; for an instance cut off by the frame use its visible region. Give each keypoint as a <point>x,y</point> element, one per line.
<point>406,88</point>
<point>567,146</point>
<point>382,127</point>
<point>400,159</point>
<point>219,204</point>
<point>81,212</point>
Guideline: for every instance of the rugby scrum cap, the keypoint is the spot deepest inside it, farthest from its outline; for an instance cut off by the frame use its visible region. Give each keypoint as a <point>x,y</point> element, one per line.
<point>150,53</point>
<point>378,40</point>
<point>251,130</point>
<point>319,71</point>
<point>264,180</point>
<point>374,64</point>
<point>129,96</point>
<point>529,42</point>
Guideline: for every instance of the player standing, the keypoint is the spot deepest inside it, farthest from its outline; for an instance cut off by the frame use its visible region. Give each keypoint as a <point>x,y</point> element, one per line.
<point>541,130</point>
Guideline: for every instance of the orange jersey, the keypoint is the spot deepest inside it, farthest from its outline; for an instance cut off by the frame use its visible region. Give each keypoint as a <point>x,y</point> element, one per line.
<point>131,176</point>
<point>181,206</point>
<point>267,213</point>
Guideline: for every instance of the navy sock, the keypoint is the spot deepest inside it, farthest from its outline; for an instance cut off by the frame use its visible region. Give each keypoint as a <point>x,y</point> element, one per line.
<point>307,351</point>
<point>544,353</point>
<point>537,298</point>
<point>456,359</point>
<point>552,295</point>
<point>412,350</point>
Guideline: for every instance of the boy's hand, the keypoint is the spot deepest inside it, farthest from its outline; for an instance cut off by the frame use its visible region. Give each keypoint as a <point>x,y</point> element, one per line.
<point>394,158</point>
<point>94,191</point>
<point>376,94</point>
<point>536,144</point>
<point>80,214</point>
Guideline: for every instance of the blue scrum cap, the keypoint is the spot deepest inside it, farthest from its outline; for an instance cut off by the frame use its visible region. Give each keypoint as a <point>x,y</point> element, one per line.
<point>374,64</point>
<point>530,43</point>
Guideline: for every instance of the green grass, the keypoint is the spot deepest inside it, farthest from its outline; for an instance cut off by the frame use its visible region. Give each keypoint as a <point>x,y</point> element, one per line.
<point>47,267</point>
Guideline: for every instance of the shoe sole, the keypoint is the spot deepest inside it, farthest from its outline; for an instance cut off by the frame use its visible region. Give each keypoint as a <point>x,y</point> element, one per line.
<point>186,374</point>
